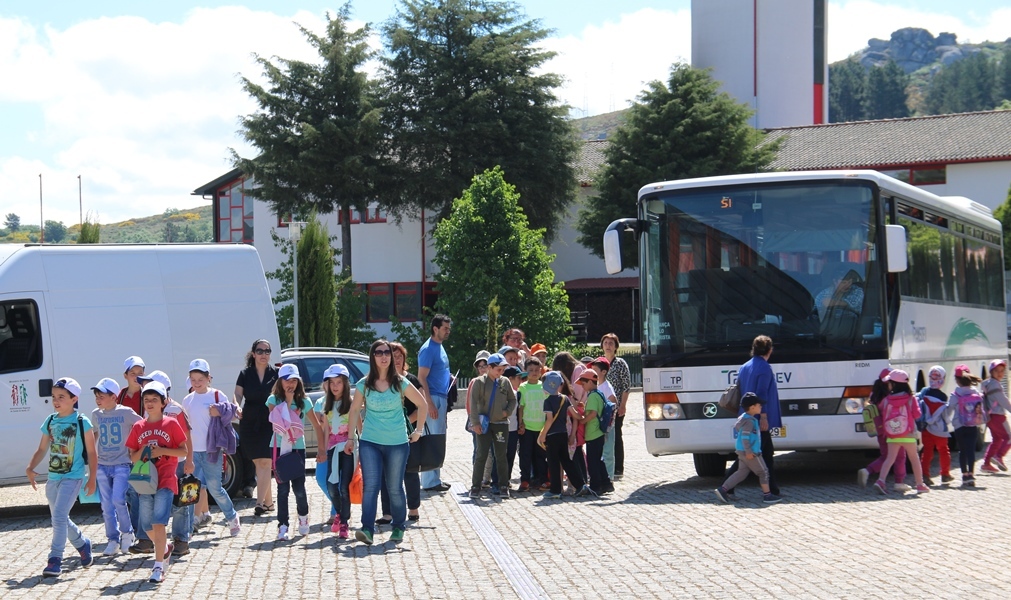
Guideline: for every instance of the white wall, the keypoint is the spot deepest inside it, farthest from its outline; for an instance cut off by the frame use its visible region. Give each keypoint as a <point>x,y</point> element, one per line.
<point>986,183</point>
<point>723,40</point>
<point>572,260</point>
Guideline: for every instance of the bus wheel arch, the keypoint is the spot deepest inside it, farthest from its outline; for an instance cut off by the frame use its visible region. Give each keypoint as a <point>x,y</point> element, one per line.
<point>710,465</point>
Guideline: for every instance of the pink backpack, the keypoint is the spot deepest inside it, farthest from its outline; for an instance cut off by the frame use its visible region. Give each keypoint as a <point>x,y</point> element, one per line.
<point>970,409</point>
<point>897,418</point>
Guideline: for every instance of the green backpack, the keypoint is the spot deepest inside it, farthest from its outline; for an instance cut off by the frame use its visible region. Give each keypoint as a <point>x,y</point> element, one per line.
<point>870,413</point>
<point>144,474</point>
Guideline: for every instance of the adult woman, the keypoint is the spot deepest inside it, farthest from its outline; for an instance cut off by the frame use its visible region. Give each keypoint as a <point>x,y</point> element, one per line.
<point>620,379</point>
<point>383,447</point>
<point>412,481</point>
<point>515,338</point>
<point>252,388</point>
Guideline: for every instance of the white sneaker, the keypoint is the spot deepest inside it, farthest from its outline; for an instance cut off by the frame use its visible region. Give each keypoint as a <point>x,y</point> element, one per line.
<point>201,521</point>
<point>862,476</point>
<point>112,548</point>
<point>126,540</point>
<point>157,575</point>
<point>282,533</point>
<point>303,525</point>
<point>901,487</point>
<point>233,526</point>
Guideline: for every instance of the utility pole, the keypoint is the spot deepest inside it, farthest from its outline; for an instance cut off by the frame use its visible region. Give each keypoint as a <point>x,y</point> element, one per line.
<point>42,222</point>
<point>80,201</point>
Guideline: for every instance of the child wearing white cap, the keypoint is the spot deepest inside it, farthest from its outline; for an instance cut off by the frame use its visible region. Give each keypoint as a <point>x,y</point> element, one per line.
<point>68,440</point>
<point>129,396</point>
<point>113,422</point>
<point>289,394</point>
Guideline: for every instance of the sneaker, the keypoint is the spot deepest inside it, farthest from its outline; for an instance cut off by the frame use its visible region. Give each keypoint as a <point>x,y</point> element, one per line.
<point>233,526</point>
<point>947,479</point>
<point>485,485</point>
<point>303,525</point>
<point>180,548</point>
<point>1000,463</point>
<point>157,575</point>
<point>111,549</point>
<point>170,548</point>
<point>397,536</point>
<point>474,493</point>
<point>502,492</point>
<point>343,532</point>
<point>900,487</point>
<point>771,498</point>
<point>928,481</point>
<point>922,488</point>
<point>335,527</point>
<point>142,547</point>
<point>85,552</point>
<point>53,568</point>
<point>248,491</point>
<point>549,495</point>
<point>524,487</point>
<point>282,533</point>
<point>364,536</point>
<point>988,468</point>
<point>585,491</point>
<point>201,521</point>
<point>731,495</point>
<point>617,477</point>
<point>862,476</point>
<point>880,486</point>
<point>545,486</point>
<point>722,495</point>
<point>125,541</point>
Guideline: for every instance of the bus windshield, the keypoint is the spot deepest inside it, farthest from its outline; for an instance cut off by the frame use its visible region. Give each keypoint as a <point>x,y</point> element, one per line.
<point>795,261</point>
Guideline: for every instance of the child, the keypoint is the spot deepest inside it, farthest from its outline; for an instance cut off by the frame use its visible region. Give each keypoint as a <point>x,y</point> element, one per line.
<point>531,396</point>
<point>966,408</point>
<point>993,392</point>
<point>603,366</point>
<point>937,432</point>
<point>899,412</point>
<point>748,444</point>
<point>113,422</point>
<point>289,394</point>
<point>335,405</point>
<point>554,437</point>
<point>599,481</point>
<point>130,395</point>
<point>881,389</point>
<point>66,435</point>
<point>514,376</point>
<point>200,406</point>
<point>165,438</point>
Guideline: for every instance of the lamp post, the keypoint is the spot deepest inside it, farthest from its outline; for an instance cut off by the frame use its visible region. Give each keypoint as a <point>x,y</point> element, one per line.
<point>294,233</point>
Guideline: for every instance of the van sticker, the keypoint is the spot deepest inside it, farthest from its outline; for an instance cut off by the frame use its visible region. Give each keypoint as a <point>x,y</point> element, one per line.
<point>19,397</point>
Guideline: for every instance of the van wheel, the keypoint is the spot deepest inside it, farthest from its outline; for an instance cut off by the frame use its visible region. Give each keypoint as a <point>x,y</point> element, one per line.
<point>231,477</point>
<point>709,465</point>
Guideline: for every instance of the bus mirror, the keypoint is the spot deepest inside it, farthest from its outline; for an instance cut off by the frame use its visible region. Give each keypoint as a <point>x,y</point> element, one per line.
<point>895,240</point>
<point>612,251</point>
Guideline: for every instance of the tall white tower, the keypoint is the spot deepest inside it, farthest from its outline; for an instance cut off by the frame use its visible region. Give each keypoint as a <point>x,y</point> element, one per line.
<point>768,54</point>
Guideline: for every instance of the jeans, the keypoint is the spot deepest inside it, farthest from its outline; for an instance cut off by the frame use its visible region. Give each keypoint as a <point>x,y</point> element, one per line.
<point>511,445</point>
<point>61,494</point>
<point>497,440</point>
<point>209,474</point>
<point>933,442</point>
<point>182,516</point>
<point>609,442</point>
<point>112,483</point>
<point>966,437</point>
<point>296,485</point>
<point>768,453</point>
<point>558,459</point>
<point>383,466</point>
<point>438,425</point>
<point>599,481</point>
<point>999,432</point>
<point>133,503</point>
<point>340,498</point>
<point>322,472</point>
<point>533,460</point>
<point>412,486</point>
<point>156,508</point>
<point>619,446</point>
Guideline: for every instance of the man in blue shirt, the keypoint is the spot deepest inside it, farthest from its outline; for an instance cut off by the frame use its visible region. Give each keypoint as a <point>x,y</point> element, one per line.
<point>434,375</point>
<point>756,376</point>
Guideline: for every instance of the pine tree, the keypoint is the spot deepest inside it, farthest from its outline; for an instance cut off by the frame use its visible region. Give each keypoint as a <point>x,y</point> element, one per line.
<point>1002,76</point>
<point>847,82</point>
<point>885,96</point>
<point>317,288</point>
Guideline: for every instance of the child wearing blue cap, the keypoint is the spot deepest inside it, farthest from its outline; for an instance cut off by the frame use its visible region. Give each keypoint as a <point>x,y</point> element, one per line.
<point>554,437</point>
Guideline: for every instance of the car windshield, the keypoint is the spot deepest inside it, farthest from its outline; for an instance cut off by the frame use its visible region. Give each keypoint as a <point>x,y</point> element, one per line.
<point>797,262</point>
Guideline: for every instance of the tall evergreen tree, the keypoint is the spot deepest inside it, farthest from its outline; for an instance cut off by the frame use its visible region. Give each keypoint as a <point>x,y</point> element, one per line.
<point>317,288</point>
<point>885,96</point>
<point>317,130</point>
<point>684,128</point>
<point>847,81</point>
<point>464,94</point>
<point>964,86</point>
<point>1002,76</point>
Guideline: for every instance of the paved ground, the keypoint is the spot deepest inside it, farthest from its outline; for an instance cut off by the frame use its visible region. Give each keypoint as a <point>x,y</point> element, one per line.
<point>661,535</point>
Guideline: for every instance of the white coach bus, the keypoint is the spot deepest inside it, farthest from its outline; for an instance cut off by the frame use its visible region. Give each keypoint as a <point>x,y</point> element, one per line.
<point>847,271</point>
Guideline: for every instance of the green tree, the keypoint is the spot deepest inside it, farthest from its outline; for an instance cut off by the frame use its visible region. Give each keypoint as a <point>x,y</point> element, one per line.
<point>964,86</point>
<point>464,92</point>
<point>1002,77</point>
<point>684,128</point>
<point>485,249</point>
<point>317,129</point>
<point>317,288</point>
<point>170,233</point>
<point>847,80</point>
<point>90,232</point>
<point>885,94</point>
<point>12,222</point>
<point>55,232</point>
<point>1003,214</point>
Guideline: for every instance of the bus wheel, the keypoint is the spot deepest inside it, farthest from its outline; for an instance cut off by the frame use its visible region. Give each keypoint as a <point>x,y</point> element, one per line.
<point>710,465</point>
<point>231,476</point>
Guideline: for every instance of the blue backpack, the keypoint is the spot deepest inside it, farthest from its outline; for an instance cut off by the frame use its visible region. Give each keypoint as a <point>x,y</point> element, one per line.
<point>606,416</point>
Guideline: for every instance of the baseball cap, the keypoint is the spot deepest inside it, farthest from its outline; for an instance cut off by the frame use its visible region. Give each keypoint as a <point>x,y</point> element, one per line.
<point>750,399</point>
<point>898,376</point>
<point>68,384</point>
<point>133,361</point>
<point>603,362</point>
<point>506,350</point>
<point>158,376</point>
<point>552,381</point>
<point>884,373</point>
<point>588,374</point>
<point>962,370</point>
<point>482,355</point>
<point>997,362</point>
<point>154,386</point>
<point>107,386</point>
<point>331,371</point>
<point>199,364</point>
<point>586,360</point>
<point>512,372</point>
<point>289,372</point>
<point>495,360</point>
<point>538,348</point>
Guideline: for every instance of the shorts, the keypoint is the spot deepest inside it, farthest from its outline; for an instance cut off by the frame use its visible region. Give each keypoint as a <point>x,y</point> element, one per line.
<point>156,508</point>
<point>901,440</point>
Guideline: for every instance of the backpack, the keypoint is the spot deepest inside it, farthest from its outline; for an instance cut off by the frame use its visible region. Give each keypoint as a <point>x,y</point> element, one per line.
<point>970,409</point>
<point>606,416</point>
<point>731,399</point>
<point>921,422</point>
<point>869,414</point>
<point>144,474</point>
<point>896,419</point>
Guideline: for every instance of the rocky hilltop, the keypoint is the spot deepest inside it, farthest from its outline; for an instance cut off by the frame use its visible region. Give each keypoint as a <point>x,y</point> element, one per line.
<point>913,48</point>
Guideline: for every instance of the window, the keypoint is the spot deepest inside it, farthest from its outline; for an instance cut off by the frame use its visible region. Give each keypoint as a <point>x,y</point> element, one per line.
<point>380,304</point>
<point>235,214</point>
<point>402,300</point>
<point>372,214</point>
<point>408,301</point>
<point>20,342</point>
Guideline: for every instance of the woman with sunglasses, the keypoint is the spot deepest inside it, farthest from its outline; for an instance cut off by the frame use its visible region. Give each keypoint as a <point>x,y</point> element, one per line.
<point>383,447</point>
<point>252,389</point>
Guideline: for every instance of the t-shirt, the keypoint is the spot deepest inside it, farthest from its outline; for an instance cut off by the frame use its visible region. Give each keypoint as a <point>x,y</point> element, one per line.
<point>113,427</point>
<point>607,391</point>
<point>384,416</point>
<point>198,410</point>
<point>595,402</point>
<point>532,397</point>
<point>339,424</point>
<point>275,440</point>
<point>166,433</point>
<point>175,410</point>
<point>66,448</point>
<point>131,401</point>
<point>552,406</point>
<point>433,356</point>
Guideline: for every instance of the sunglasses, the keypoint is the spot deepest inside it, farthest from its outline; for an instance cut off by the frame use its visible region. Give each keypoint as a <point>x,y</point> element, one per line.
<point>261,351</point>
<point>382,353</point>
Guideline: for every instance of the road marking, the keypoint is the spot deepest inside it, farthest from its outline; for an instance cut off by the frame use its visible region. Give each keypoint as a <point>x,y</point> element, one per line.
<point>519,576</point>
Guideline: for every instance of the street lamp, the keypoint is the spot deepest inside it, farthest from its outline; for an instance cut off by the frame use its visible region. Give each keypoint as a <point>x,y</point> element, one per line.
<point>294,233</point>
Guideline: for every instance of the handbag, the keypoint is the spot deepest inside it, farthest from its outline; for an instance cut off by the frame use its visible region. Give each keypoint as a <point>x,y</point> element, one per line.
<point>428,453</point>
<point>189,491</point>
<point>288,466</point>
<point>144,474</point>
<point>356,487</point>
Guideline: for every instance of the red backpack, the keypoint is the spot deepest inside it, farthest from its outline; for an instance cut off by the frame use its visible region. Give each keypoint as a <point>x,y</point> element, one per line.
<point>897,416</point>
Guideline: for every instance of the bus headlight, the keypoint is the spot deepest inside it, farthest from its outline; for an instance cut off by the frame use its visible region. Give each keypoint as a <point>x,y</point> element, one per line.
<point>661,406</point>
<point>654,412</point>
<point>854,398</point>
<point>673,411</point>
<point>854,406</point>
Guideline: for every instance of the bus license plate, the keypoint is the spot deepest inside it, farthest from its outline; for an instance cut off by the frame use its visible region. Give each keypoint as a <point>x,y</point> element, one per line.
<point>777,432</point>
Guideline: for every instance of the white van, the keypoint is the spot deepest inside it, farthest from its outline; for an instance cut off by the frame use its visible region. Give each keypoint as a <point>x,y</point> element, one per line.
<point>79,311</point>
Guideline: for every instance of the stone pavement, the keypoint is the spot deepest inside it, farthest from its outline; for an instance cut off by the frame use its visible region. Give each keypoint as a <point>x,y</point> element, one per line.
<point>660,535</point>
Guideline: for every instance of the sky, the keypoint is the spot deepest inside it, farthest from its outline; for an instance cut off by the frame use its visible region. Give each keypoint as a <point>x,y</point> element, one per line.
<point>126,107</point>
